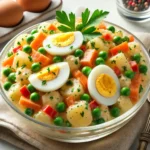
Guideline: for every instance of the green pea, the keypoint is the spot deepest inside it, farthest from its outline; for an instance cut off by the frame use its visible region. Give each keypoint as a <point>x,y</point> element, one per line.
<point>29,39</point>
<point>125,91</point>
<point>31,88</point>
<point>35,67</point>
<point>61,107</point>
<point>143,69</point>
<point>136,57</point>
<point>103,55</point>
<point>115,111</point>
<point>96,112</point>
<point>57,59</point>
<point>129,74</point>
<point>98,121</point>
<point>27,49</point>
<point>125,39</point>
<point>117,40</point>
<point>42,50</point>
<point>99,61</point>
<point>12,77</point>
<point>29,111</point>
<point>78,53</point>
<point>85,97</point>
<point>112,29</point>
<point>7,85</point>
<point>34,31</point>
<point>6,71</point>
<point>35,97</point>
<point>9,54</point>
<point>86,70</point>
<point>58,121</point>
<point>140,89</point>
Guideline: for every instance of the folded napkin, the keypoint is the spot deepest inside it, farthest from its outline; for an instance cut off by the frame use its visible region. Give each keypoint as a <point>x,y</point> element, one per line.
<point>15,132</point>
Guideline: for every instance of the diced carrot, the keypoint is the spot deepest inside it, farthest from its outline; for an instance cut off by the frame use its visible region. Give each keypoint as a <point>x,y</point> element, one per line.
<point>131,38</point>
<point>89,58</point>
<point>16,49</point>
<point>123,47</point>
<point>134,87</point>
<point>93,104</point>
<point>81,77</point>
<point>37,42</point>
<point>69,100</point>
<point>29,104</point>
<point>52,27</point>
<point>102,26</point>
<point>8,61</point>
<point>38,57</point>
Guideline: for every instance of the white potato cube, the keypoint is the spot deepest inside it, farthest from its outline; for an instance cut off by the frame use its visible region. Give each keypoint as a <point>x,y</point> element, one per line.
<point>134,48</point>
<point>124,103</point>
<point>75,89</point>
<point>79,115</point>
<point>22,59</point>
<point>51,98</point>
<point>21,40</point>
<point>74,62</point>
<point>124,81</point>
<point>43,117</point>
<point>105,113</point>
<point>121,62</point>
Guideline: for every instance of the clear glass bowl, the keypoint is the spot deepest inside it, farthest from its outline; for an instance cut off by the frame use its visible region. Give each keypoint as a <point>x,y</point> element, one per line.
<point>143,15</point>
<point>80,134</point>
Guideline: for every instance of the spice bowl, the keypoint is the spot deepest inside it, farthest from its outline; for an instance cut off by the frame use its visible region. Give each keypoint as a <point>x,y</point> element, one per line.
<point>136,10</point>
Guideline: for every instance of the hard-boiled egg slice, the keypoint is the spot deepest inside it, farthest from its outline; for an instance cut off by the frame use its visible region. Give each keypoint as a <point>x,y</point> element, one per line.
<point>63,43</point>
<point>50,78</point>
<point>103,85</point>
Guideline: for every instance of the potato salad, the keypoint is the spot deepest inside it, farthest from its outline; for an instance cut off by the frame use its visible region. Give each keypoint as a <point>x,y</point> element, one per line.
<point>75,72</point>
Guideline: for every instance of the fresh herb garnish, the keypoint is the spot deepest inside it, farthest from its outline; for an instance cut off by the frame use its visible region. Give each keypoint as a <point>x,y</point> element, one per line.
<point>87,26</point>
<point>82,113</point>
<point>43,82</point>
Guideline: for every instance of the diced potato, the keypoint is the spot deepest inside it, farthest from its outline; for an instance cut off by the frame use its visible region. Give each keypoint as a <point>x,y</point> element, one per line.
<point>142,60</point>
<point>98,44</point>
<point>79,115</point>
<point>124,103</point>
<point>76,89</point>
<point>120,61</point>
<point>51,98</point>
<point>43,27</point>
<point>134,48</point>
<point>43,117</point>
<point>14,92</point>
<point>119,33</point>
<point>124,81</point>
<point>21,40</point>
<point>22,59</point>
<point>73,62</point>
<point>105,113</point>
<point>22,75</point>
<point>144,79</point>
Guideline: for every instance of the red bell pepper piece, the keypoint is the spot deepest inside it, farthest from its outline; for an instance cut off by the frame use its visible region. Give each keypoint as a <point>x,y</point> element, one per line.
<point>134,66</point>
<point>16,49</point>
<point>107,37</point>
<point>25,92</point>
<point>83,47</point>
<point>117,71</point>
<point>50,111</point>
<point>93,104</point>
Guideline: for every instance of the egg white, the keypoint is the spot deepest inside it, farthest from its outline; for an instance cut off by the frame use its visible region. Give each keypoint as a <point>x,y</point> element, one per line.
<point>54,84</point>
<point>61,51</point>
<point>102,69</point>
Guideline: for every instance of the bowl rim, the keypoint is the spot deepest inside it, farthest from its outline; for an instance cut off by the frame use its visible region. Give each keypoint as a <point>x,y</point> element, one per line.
<point>110,123</point>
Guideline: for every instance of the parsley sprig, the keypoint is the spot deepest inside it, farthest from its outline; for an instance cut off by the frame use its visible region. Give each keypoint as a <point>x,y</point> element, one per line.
<point>88,24</point>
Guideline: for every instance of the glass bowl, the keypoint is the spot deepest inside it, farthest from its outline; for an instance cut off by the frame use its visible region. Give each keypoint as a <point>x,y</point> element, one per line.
<point>80,134</point>
<point>143,15</point>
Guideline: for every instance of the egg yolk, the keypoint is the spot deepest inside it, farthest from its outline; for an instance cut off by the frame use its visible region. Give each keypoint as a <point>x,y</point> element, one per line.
<point>48,73</point>
<point>65,39</point>
<point>106,85</point>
